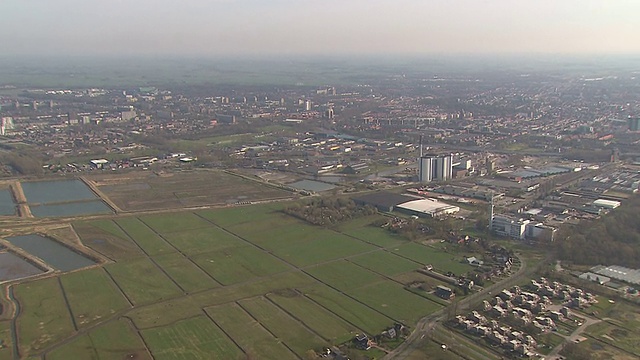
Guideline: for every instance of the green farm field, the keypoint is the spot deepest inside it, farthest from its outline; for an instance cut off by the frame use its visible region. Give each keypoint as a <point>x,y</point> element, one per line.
<point>296,335</point>
<point>250,335</point>
<point>45,318</point>
<point>237,282</point>
<point>5,339</point>
<point>151,191</point>
<point>142,281</point>
<point>92,296</point>
<point>625,339</point>
<point>425,255</point>
<point>314,316</point>
<point>115,340</point>
<point>195,338</point>
<point>143,236</point>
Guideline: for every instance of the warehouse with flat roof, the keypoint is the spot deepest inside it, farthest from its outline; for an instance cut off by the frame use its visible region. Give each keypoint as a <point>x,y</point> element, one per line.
<point>606,204</point>
<point>427,208</point>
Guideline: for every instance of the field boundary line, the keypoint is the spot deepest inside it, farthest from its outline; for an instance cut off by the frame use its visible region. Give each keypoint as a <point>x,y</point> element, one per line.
<point>208,316</point>
<point>329,310</point>
<point>180,251</point>
<point>17,309</point>
<point>132,324</point>
<point>102,196</point>
<point>150,258</point>
<point>89,246</point>
<point>302,269</point>
<point>267,330</point>
<point>66,303</point>
<point>295,318</point>
<point>119,288</point>
<point>404,287</point>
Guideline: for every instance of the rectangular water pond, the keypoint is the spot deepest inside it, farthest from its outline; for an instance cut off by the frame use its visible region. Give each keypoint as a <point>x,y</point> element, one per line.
<point>57,191</point>
<point>14,267</point>
<point>7,206</point>
<point>71,209</point>
<point>51,252</point>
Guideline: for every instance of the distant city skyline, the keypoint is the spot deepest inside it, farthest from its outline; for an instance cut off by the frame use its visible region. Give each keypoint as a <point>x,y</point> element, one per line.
<point>306,27</point>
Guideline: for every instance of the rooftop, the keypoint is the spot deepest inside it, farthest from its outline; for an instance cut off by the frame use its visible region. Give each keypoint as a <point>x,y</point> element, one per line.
<point>631,276</point>
<point>427,206</point>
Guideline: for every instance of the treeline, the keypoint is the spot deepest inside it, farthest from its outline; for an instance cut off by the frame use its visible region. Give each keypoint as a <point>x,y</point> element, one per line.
<point>328,211</point>
<point>22,164</point>
<point>612,240</point>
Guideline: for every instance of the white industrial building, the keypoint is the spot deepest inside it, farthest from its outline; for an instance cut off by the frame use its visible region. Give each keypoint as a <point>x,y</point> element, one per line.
<point>427,207</point>
<point>606,204</point>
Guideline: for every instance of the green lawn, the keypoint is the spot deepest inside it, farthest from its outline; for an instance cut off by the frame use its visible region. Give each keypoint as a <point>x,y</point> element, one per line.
<point>110,227</point>
<point>433,351</point>
<point>115,340</point>
<point>362,229</point>
<point>467,348</point>
<point>44,318</point>
<point>440,260</point>
<point>323,247</point>
<point>324,323</point>
<point>385,263</point>
<point>116,247</point>
<point>195,338</point>
<point>601,351</point>
<point>283,326</point>
<point>234,216</point>
<point>5,340</point>
<point>252,337</point>
<point>142,281</point>
<point>78,348</point>
<point>186,273</point>
<point>235,265</point>
<point>278,232</point>
<point>625,338</point>
<point>148,240</point>
<point>179,221</point>
<point>551,340</point>
<point>621,313</point>
<point>290,293</point>
<point>343,275</point>
<point>188,306</point>
<point>201,240</point>
<point>92,296</point>
<point>394,301</point>
<point>365,318</point>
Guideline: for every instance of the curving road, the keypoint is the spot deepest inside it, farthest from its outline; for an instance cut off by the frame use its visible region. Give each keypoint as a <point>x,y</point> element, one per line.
<point>427,324</point>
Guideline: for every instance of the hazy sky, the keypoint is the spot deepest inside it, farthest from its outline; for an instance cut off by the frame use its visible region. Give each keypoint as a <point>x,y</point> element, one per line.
<point>287,27</point>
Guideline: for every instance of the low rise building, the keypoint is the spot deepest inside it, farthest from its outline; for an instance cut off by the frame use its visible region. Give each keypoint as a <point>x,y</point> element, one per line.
<point>507,226</point>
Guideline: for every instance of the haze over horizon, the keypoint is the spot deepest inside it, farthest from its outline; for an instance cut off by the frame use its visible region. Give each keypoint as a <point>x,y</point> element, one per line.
<point>329,27</point>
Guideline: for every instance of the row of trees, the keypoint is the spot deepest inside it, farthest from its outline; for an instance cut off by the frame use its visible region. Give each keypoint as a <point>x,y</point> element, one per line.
<point>22,164</point>
<point>328,211</point>
<point>612,240</point>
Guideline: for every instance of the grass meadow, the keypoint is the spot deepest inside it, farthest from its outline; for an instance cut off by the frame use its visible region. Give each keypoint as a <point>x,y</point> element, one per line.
<point>194,338</point>
<point>230,283</point>
<point>44,318</point>
<point>250,334</point>
<point>92,296</point>
<point>115,340</point>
